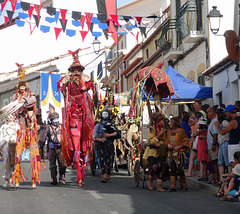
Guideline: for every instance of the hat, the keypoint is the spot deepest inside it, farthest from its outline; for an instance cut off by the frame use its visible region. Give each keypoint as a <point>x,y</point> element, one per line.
<point>236,169</point>
<point>76,62</point>
<point>202,121</point>
<point>52,114</point>
<point>231,108</point>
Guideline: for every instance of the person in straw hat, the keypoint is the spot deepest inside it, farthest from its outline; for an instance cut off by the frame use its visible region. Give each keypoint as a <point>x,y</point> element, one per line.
<point>78,117</point>
<point>52,133</point>
<point>27,134</point>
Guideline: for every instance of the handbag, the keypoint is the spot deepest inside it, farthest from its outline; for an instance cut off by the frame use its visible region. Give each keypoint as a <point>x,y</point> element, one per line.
<point>194,143</point>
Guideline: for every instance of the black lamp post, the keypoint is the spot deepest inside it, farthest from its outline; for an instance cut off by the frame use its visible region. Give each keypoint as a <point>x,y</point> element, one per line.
<point>96,45</point>
<point>214,17</point>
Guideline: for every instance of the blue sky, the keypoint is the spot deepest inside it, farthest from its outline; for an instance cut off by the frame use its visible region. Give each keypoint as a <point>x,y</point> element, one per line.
<point>123,2</point>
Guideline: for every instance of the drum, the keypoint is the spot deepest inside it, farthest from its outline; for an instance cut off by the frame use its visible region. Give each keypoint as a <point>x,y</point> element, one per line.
<point>12,151</point>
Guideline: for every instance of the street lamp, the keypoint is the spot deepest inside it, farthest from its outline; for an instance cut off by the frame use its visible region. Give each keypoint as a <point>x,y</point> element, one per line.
<point>214,17</point>
<point>96,45</point>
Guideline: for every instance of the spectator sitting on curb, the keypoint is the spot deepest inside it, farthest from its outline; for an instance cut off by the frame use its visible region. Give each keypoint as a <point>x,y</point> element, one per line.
<point>227,185</point>
<point>232,196</point>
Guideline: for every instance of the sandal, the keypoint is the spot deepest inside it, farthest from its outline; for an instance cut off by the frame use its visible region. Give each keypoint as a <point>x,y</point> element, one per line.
<point>213,181</point>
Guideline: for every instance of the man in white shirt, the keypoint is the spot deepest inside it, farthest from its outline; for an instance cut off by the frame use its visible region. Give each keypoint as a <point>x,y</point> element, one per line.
<point>212,137</point>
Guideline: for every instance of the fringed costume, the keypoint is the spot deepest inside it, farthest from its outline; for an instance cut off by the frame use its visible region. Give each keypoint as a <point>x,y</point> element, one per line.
<point>78,121</point>
<point>27,135</point>
<point>178,144</point>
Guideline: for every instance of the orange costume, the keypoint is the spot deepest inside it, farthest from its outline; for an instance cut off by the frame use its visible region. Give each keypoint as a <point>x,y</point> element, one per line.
<point>178,144</point>
<point>27,134</point>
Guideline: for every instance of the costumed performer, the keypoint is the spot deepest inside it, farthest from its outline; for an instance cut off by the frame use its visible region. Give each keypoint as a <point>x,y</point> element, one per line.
<point>52,132</point>
<point>178,144</point>
<point>27,135</point>
<point>8,137</point>
<point>106,132</point>
<point>77,116</point>
<point>156,151</point>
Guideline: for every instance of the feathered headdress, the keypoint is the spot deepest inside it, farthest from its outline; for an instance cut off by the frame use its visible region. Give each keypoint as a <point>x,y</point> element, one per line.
<point>21,74</point>
<point>76,62</point>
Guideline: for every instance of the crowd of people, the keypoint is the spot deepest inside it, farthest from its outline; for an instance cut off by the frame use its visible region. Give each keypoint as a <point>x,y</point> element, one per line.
<point>208,138</point>
<point>215,147</point>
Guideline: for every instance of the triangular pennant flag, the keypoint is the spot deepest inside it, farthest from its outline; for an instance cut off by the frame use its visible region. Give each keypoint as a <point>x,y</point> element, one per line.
<point>45,29</point>
<point>83,34</point>
<point>127,18</point>
<point>51,10</point>
<point>63,15</point>
<point>30,11</point>
<point>115,38</point>
<point>57,32</point>
<point>70,33</point>
<point>25,6</point>
<point>19,23</point>
<point>82,21</point>
<point>89,19</point>
<point>10,15</point>
<point>115,19</point>
<point>91,27</point>
<point>6,19</point>
<point>105,33</point>
<point>143,31</point>
<point>36,19</point>
<point>32,27</point>
<point>3,5</point>
<point>76,15</point>
<point>139,19</point>
<point>63,24</point>
<point>38,10</point>
<point>14,3</point>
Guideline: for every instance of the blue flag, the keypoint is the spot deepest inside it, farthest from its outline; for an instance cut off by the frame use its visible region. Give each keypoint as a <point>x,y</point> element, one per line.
<point>100,71</point>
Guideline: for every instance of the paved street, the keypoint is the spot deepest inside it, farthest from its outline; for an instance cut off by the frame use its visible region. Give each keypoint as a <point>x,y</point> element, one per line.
<point>120,196</point>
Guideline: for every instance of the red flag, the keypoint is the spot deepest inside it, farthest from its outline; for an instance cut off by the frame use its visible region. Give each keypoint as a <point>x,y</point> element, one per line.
<point>63,15</point>
<point>14,3</point>
<point>139,19</point>
<point>89,19</point>
<point>38,10</point>
<point>57,32</point>
<point>30,12</point>
<point>115,19</point>
<point>6,19</point>
<point>82,21</point>
<point>3,5</point>
<point>83,34</point>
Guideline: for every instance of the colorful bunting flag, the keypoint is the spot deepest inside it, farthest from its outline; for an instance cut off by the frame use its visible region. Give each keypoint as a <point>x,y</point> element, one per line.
<point>76,15</point>
<point>57,32</point>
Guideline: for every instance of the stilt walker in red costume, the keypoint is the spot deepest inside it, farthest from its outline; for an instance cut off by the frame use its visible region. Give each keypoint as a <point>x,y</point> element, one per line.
<point>78,121</point>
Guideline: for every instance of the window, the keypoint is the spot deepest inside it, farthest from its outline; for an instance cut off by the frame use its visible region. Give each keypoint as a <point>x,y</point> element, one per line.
<point>147,53</point>
<point>201,79</point>
<point>156,46</point>
<point>219,98</point>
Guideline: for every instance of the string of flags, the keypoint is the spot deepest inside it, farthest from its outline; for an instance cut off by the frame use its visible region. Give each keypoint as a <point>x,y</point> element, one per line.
<point>71,22</point>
